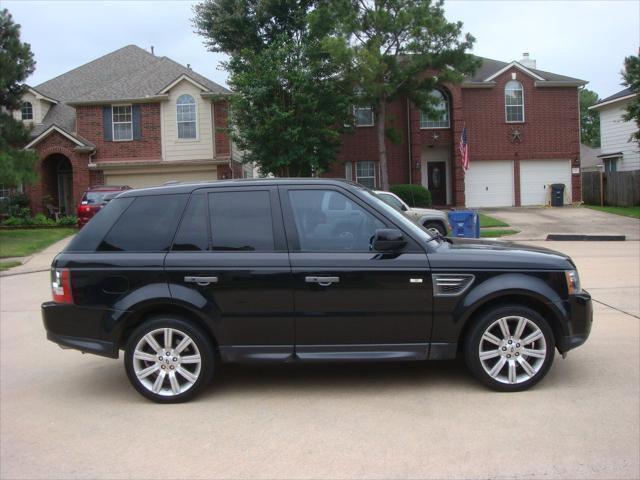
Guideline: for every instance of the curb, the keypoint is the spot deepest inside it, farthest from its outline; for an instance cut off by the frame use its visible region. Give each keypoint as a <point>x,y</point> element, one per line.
<point>586,237</point>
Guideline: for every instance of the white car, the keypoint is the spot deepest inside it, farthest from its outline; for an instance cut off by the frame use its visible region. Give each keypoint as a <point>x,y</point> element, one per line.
<point>427,217</point>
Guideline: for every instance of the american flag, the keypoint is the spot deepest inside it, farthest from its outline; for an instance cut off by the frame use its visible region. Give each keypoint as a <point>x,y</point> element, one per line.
<point>464,149</point>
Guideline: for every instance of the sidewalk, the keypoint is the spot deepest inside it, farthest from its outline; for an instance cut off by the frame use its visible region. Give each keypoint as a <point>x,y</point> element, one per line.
<point>38,262</point>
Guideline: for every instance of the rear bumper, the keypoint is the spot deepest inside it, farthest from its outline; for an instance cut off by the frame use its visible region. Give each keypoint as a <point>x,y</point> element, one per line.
<point>579,322</point>
<point>80,328</point>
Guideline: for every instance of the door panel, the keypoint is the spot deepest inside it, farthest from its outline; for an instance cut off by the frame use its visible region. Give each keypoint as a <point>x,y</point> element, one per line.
<point>438,182</point>
<point>229,260</point>
<point>365,304</point>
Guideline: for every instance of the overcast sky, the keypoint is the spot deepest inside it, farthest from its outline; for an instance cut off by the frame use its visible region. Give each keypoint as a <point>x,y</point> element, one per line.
<point>583,39</point>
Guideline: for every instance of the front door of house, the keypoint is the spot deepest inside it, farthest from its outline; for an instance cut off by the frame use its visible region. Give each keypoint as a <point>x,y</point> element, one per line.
<point>437,182</point>
<point>65,192</point>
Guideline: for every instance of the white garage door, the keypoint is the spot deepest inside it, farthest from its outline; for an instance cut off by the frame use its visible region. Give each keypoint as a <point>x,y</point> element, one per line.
<point>489,184</point>
<point>155,179</point>
<point>537,175</point>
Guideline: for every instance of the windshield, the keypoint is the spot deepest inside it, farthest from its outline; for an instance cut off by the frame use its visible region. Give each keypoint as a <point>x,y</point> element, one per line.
<point>390,200</point>
<point>93,198</point>
<point>397,215</point>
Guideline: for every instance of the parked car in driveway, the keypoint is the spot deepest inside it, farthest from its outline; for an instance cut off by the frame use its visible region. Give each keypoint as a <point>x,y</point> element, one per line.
<point>185,277</point>
<point>92,201</point>
<point>429,218</point>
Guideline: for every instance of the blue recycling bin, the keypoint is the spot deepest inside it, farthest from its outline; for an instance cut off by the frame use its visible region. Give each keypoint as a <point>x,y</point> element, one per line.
<point>464,223</point>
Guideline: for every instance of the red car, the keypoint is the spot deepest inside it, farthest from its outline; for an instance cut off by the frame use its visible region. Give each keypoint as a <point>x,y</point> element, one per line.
<point>92,201</point>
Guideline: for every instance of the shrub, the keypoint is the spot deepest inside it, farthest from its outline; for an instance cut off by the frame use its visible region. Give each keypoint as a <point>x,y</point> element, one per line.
<point>41,219</point>
<point>68,220</point>
<point>413,195</point>
<point>14,222</point>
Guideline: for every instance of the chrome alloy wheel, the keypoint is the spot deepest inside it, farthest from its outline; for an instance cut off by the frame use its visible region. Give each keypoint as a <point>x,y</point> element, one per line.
<point>512,350</point>
<point>167,361</point>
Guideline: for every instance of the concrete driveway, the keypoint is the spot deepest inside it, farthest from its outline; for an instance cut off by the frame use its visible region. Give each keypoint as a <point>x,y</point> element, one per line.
<point>68,415</point>
<point>535,223</point>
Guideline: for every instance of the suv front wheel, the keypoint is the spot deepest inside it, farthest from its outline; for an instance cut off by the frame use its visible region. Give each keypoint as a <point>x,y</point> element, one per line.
<point>168,360</point>
<point>510,348</point>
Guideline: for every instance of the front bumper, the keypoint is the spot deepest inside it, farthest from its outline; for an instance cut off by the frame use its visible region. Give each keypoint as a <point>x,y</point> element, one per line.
<point>80,328</point>
<point>579,323</point>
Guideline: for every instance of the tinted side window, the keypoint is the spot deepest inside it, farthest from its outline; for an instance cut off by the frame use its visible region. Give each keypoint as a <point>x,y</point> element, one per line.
<point>147,225</point>
<point>192,233</point>
<point>88,239</point>
<point>328,221</point>
<point>241,221</point>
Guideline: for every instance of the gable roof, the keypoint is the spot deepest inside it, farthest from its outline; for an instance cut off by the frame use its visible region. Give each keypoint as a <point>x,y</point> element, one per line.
<point>616,97</point>
<point>128,73</point>
<point>489,68</point>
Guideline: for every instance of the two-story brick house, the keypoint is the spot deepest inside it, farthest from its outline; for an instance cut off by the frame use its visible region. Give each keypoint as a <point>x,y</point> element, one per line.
<point>523,132</point>
<point>127,118</point>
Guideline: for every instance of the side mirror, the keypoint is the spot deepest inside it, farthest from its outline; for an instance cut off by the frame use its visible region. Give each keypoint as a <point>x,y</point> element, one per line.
<point>404,208</point>
<point>388,240</point>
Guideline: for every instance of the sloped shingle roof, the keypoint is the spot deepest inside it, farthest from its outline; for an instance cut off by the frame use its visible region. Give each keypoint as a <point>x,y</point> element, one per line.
<point>128,73</point>
<point>490,66</point>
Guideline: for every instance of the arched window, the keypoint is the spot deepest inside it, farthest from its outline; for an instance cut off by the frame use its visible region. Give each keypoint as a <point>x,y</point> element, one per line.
<point>27,111</point>
<point>514,102</point>
<point>186,114</point>
<point>441,117</point>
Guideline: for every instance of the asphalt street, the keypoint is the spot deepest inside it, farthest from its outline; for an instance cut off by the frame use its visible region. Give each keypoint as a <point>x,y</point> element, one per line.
<point>68,415</point>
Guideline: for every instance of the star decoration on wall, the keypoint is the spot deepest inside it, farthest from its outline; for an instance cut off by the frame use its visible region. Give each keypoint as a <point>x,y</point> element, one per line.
<point>435,136</point>
<point>516,136</point>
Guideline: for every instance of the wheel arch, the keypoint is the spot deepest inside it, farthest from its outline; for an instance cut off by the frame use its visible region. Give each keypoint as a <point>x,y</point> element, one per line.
<point>523,299</point>
<point>137,317</point>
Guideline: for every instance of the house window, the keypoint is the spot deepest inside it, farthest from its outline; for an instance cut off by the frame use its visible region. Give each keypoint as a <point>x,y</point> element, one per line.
<point>440,119</point>
<point>27,111</point>
<point>363,116</point>
<point>611,164</point>
<point>122,123</point>
<point>186,111</point>
<point>366,174</point>
<point>348,171</point>
<point>514,101</point>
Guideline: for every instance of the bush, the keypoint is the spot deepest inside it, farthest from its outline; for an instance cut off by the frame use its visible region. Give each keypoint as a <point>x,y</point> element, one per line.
<point>41,220</point>
<point>13,222</point>
<point>68,220</point>
<point>17,205</point>
<point>413,195</point>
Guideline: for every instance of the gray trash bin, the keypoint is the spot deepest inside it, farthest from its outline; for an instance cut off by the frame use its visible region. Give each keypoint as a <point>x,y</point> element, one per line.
<point>557,195</point>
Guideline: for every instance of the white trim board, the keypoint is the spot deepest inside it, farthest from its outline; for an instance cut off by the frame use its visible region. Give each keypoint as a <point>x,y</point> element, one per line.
<point>51,129</point>
<point>519,67</point>
<point>182,77</point>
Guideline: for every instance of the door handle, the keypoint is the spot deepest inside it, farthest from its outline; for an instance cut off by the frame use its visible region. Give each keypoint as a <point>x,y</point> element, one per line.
<point>322,281</point>
<point>202,281</point>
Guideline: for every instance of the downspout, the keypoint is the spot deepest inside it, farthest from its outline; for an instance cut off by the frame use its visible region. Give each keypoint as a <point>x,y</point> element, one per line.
<point>409,142</point>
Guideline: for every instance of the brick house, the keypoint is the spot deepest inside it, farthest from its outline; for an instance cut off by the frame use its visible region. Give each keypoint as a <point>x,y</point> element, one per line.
<point>127,118</point>
<point>523,130</point>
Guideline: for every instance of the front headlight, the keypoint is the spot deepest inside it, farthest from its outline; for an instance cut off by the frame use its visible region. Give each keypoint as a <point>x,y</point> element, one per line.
<point>573,281</point>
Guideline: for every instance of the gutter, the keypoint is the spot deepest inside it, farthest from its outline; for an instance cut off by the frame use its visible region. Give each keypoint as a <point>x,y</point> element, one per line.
<point>147,99</point>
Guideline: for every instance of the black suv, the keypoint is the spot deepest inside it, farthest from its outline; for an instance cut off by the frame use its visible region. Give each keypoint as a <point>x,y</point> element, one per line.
<point>183,277</point>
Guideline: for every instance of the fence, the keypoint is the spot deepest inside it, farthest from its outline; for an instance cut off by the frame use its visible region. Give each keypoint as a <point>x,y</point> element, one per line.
<point>620,189</point>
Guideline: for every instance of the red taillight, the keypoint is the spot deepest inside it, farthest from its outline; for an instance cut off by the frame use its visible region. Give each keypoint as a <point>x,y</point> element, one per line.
<point>61,285</point>
<point>84,208</point>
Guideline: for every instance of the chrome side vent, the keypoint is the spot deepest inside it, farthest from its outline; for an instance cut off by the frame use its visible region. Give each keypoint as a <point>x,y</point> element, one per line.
<point>451,284</point>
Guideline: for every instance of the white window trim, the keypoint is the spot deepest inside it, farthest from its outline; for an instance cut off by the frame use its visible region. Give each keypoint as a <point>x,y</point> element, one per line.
<point>355,121</point>
<point>446,101</point>
<point>22,113</point>
<point>197,137</point>
<point>113,123</point>
<point>505,103</point>
<point>375,183</point>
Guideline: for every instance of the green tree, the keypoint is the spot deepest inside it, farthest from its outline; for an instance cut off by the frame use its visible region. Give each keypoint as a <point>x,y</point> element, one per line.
<point>589,119</point>
<point>16,64</point>
<point>290,102</point>
<point>394,49</point>
<point>631,78</point>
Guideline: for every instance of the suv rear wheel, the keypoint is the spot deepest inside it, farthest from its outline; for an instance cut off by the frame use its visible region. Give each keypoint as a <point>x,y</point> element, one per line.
<point>168,360</point>
<point>510,348</point>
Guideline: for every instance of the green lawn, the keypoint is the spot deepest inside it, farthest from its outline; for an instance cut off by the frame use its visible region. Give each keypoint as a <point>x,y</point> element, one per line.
<point>633,212</point>
<point>23,242</point>
<point>487,221</point>
<point>8,265</point>
<point>497,233</point>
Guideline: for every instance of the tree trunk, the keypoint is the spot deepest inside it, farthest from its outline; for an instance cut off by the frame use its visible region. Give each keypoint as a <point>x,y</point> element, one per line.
<point>381,117</point>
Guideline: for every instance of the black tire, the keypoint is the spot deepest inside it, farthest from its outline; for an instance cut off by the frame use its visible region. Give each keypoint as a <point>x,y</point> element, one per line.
<point>436,226</point>
<point>201,345</point>
<point>501,379</point>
